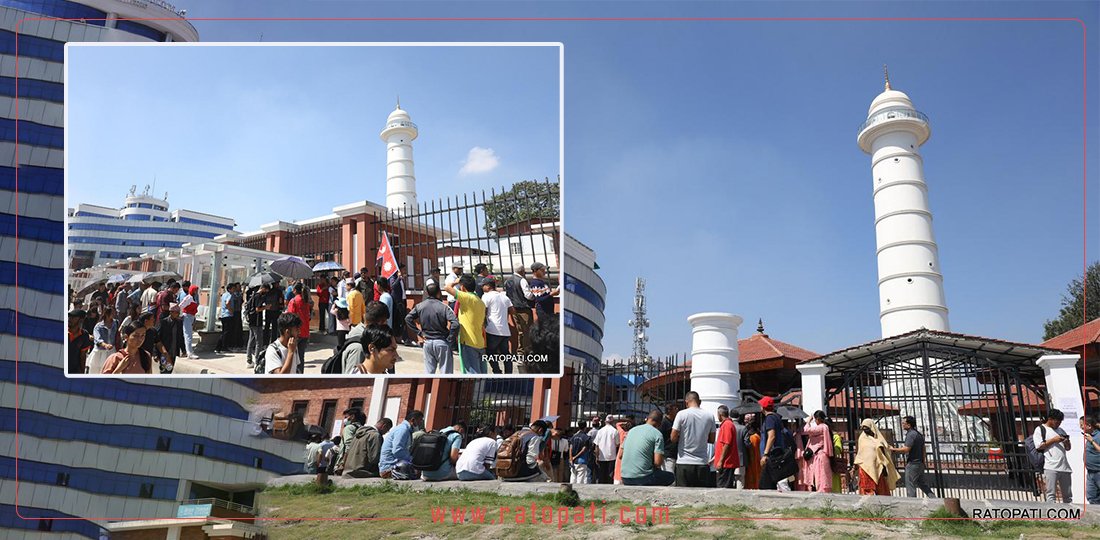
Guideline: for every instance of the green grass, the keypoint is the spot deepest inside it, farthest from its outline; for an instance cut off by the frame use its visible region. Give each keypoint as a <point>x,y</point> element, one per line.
<point>293,505</point>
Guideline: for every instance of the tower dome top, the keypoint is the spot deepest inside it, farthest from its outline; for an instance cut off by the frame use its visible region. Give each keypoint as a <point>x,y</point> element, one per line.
<point>398,114</point>
<point>890,98</point>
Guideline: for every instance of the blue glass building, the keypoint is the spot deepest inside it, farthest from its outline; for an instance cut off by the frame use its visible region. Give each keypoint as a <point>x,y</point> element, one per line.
<point>97,449</point>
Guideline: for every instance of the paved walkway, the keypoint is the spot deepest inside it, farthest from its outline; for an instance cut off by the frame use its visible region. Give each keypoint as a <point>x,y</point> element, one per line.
<point>679,496</point>
<point>319,349</point>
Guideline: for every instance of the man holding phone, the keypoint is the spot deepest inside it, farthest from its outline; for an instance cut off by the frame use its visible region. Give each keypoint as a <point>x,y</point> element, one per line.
<point>1051,441</point>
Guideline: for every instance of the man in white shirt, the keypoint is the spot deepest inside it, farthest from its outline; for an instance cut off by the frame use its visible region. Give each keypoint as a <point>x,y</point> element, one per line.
<point>498,309</point>
<point>451,280</point>
<point>477,459</point>
<point>342,287</point>
<point>1052,441</point>
<point>607,448</point>
<point>693,429</point>
<point>148,296</point>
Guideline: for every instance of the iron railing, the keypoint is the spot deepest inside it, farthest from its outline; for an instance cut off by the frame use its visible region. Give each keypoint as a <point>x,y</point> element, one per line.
<point>891,113</point>
<point>221,503</point>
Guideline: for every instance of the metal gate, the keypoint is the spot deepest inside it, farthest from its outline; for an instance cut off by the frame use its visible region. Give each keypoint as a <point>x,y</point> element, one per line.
<point>973,409</point>
<point>631,388</point>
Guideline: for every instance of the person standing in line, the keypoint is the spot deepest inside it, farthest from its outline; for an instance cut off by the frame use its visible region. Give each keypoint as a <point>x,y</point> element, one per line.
<point>170,331</point>
<point>1051,441</point>
<point>498,313</point>
<point>433,277</point>
<point>122,300</point>
<point>438,327</point>
<point>451,280</point>
<point>103,335</point>
<point>751,461</point>
<point>914,458</point>
<point>693,429</point>
<point>255,306</point>
<point>322,305</point>
<point>727,457</point>
<point>622,428</point>
<point>877,474</point>
<point>816,473</point>
<point>341,317</point>
<point>225,316</point>
<point>519,293</point>
<point>1091,433</point>
<point>299,305</point>
<point>400,306</point>
<point>607,450</point>
<point>643,455</point>
<point>149,296</point>
<point>771,437</point>
<point>580,455</point>
<point>333,294</point>
<point>481,271</point>
<point>671,448</point>
<point>542,294</point>
<point>471,319</point>
<point>357,305</point>
<point>189,309</point>
<point>386,297</point>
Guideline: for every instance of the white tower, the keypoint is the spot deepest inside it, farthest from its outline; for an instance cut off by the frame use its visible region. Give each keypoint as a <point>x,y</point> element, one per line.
<point>399,134</point>
<point>715,361</point>
<point>909,281</point>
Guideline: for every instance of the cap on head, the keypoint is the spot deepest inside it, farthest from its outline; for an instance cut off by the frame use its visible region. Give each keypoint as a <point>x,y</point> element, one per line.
<point>767,403</point>
<point>535,267</point>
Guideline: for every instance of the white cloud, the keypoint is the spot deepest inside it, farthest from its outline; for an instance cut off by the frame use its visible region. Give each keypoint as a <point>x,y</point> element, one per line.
<point>479,160</point>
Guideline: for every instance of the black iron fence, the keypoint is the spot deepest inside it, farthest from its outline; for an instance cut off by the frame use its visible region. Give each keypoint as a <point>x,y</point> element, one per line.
<point>974,418</point>
<point>514,226</point>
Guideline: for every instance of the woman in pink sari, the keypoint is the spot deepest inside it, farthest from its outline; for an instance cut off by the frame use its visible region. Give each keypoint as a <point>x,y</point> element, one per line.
<point>816,473</point>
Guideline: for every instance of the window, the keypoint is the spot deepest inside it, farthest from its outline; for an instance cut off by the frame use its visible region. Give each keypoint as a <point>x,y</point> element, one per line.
<point>258,462</point>
<point>146,491</point>
<point>328,415</point>
<point>45,525</point>
<point>62,479</point>
<point>356,404</point>
<point>299,408</point>
<point>164,444</point>
<point>515,248</point>
<point>198,449</point>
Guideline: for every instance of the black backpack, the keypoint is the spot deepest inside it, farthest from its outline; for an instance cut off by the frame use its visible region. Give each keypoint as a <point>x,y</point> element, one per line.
<point>429,451</point>
<point>335,363</point>
<point>1034,456</point>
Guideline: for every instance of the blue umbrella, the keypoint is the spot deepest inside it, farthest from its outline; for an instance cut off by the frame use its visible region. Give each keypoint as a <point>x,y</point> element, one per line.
<point>118,278</point>
<point>328,266</point>
<point>292,267</point>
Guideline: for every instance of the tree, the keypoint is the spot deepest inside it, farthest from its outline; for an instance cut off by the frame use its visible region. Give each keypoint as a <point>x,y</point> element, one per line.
<point>529,199</point>
<point>1073,313</point>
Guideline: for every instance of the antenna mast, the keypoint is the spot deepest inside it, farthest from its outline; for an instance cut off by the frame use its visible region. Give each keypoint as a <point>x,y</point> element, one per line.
<point>639,323</point>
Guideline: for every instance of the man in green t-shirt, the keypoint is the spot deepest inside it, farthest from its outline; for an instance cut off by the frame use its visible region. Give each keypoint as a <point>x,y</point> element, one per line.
<point>471,324</point>
<point>644,453</point>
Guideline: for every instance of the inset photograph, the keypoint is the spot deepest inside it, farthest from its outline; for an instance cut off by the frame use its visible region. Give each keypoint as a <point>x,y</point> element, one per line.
<point>314,209</point>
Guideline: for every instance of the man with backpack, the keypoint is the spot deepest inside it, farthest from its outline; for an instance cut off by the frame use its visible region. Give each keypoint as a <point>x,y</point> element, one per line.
<point>580,455</point>
<point>395,459</point>
<point>435,453</point>
<point>1052,442</point>
<point>364,450</point>
<point>476,461</point>
<point>438,327</point>
<point>353,420</point>
<point>518,456</point>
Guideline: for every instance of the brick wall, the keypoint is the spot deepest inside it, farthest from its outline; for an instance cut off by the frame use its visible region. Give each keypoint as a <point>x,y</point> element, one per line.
<point>282,393</point>
<point>187,533</point>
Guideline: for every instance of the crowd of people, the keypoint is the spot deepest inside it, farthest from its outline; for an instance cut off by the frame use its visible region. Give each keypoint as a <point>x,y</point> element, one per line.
<point>689,448</point>
<point>511,331</point>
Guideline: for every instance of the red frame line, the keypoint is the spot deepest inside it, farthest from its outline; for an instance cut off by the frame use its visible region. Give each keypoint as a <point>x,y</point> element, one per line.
<point>605,19</point>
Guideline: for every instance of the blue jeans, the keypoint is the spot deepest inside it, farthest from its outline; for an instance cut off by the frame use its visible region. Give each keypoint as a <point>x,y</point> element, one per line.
<point>471,359</point>
<point>1092,487</point>
<point>188,330</point>
<point>656,478</point>
<point>467,476</point>
<point>437,354</point>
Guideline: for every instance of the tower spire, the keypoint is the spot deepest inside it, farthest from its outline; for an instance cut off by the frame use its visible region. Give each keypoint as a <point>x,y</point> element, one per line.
<point>398,101</point>
<point>886,75</point>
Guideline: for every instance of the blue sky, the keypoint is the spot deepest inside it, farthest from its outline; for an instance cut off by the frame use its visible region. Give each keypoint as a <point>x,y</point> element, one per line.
<point>718,158</point>
<point>215,124</point>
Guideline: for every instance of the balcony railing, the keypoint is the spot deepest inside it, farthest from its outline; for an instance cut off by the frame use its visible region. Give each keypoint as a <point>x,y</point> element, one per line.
<point>890,114</point>
<point>400,124</point>
<point>228,505</point>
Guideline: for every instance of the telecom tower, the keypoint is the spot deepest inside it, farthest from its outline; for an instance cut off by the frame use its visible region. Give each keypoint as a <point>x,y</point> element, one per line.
<point>639,323</point>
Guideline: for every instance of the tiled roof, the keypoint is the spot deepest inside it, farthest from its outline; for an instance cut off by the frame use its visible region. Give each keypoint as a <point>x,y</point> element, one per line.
<point>761,347</point>
<point>1082,335</point>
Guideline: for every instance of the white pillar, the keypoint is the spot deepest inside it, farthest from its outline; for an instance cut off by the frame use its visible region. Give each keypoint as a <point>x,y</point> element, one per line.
<point>715,368</point>
<point>215,282</point>
<point>1064,390</point>
<point>813,386</point>
<point>379,387</point>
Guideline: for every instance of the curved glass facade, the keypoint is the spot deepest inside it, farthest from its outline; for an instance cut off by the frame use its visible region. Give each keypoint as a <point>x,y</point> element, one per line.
<point>217,439</point>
